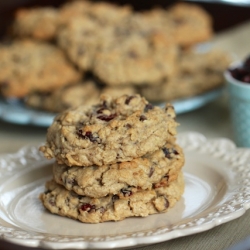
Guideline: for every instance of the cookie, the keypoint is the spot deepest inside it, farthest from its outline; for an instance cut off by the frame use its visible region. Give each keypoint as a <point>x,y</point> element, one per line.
<point>136,56</point>
<point>145,173</point>
<point>27,66</point>
<point>83,93</point>
<point>191,23</point>
<point>81,38</point>
<point>116,207</point>
<point>38,23</point>
<point>198,73</point>
<point>115,130</point>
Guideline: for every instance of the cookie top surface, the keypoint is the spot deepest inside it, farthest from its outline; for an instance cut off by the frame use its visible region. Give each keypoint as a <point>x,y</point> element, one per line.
<point>27,66</point>
<point>152,170</point>
<point>115,130</point>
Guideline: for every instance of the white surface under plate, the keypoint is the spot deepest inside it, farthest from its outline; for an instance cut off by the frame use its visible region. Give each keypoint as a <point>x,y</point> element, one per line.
<point>217,176</point>
<point>15,111</point>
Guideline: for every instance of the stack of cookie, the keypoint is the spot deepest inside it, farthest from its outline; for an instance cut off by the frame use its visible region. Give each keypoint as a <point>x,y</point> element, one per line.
<point>115,159</point>
<point>57,58</point>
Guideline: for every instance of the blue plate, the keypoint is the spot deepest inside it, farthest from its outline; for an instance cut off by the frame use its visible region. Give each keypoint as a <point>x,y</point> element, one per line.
<point>14,111</point>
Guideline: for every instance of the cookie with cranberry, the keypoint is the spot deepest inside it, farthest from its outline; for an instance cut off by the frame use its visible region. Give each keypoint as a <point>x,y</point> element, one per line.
<point>158,168</point>
<point>83,93</point>
<point>38,23</point>
<point>115,130</point>
<point>27,66</point>
<point>117,207</point>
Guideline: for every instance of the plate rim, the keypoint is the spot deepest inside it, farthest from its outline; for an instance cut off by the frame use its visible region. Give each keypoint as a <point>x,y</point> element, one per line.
<point>221,148</point>
<point>14,111</point>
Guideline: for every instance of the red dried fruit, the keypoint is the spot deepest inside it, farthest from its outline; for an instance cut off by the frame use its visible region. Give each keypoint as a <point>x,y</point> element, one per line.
<point>143,118</point>
<point>127,101</point>
<point>88,135</point>
<point>87,207</point>
<point>106,118</point>
<point>148,107</point>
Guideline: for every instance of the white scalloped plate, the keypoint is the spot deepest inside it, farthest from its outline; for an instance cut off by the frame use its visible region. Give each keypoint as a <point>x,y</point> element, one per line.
<point>14,111</point>
<point>217,176</point>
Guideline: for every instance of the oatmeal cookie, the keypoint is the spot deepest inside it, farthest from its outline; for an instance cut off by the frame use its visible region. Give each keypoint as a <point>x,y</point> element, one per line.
<point>38,23</point>
<point>27,66</point>
<point>136,60</point>
<point>198,73</point>
<point>81,38</point>
<point>191,24</point>
<point>83,93</point>
<point>145,173</point>
<point>115,130</point>
<point>59,200</point>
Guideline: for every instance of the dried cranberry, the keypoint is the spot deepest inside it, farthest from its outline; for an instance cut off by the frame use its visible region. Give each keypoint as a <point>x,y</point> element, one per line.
<point>162,183</point>
<point>148,107</point>
<point>88,135</point>
<point>106,118</point>
<point>128,99</point>
<point>167,153</point>
<point>104,106</point>
<point>143,118</point>
<point>87,207</point>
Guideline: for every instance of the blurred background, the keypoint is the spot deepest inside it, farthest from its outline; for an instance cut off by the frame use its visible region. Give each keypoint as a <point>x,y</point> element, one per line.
<point>226,13</point>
